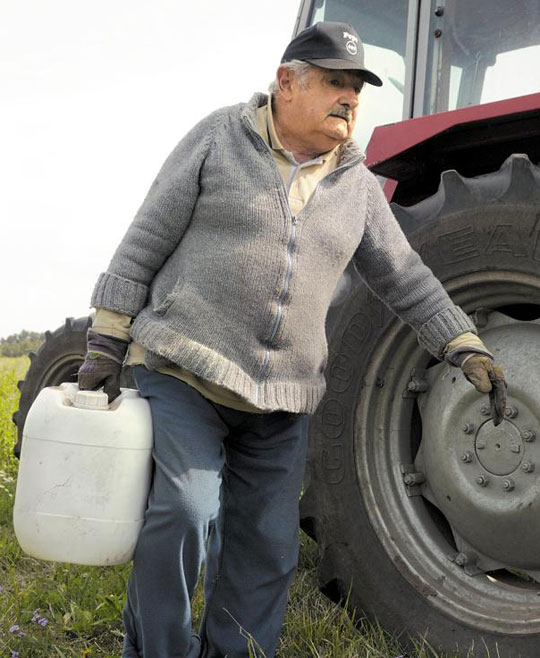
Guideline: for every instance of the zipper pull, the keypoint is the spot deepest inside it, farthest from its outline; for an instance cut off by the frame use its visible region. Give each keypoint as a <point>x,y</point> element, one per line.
<point>294,219</point>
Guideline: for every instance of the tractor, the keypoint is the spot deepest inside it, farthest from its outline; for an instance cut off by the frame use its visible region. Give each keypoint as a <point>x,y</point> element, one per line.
<point>426,514</point>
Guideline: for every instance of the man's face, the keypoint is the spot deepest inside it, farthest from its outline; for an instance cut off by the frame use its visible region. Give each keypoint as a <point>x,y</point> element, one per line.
<point>323,107</point>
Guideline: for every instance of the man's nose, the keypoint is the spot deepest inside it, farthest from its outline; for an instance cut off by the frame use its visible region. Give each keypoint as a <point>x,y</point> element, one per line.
<point>350,98</point>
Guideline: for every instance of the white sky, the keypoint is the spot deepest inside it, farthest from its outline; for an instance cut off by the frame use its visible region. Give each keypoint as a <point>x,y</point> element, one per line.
<point>94,95</point>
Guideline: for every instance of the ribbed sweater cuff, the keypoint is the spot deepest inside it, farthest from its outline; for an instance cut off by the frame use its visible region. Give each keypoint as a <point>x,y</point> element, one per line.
<point>438,331</point>
<point>115,293</point>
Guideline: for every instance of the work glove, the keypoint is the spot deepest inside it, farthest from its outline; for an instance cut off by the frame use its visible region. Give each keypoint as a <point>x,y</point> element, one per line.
<point>103,364</point>
<point>476,362</point>
<point>487,377</point>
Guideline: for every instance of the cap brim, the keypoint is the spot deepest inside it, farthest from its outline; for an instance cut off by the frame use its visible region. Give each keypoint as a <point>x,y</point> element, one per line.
<point>343,64</point>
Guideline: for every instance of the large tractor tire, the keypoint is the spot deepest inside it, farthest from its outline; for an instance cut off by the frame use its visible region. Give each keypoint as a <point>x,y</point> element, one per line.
<point>426,514</point>
<point>57,360</point>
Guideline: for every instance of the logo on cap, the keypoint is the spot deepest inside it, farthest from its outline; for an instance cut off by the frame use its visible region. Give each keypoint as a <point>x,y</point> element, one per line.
<point>351,46</point>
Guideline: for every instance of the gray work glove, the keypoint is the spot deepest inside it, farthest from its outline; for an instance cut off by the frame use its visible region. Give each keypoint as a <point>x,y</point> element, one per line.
<point>487,377</point>
<point>470,354</point>
<point>103,364</point>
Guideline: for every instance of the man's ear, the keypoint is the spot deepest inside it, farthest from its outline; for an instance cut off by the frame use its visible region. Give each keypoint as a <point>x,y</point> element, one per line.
<point>285,80</point>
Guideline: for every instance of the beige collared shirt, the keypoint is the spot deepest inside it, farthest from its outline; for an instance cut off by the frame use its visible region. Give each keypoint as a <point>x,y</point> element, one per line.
<point>300,181</point>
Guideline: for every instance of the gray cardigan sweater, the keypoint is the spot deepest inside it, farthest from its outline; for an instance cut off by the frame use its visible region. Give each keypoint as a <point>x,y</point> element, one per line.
<point>222,279</point>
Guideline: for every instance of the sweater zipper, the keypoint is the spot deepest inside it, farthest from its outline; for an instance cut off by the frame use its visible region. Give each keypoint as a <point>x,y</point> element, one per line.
<point>291,245</point>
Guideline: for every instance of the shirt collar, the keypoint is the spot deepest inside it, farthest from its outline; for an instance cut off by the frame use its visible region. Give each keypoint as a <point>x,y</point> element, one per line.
<point>273,139</point>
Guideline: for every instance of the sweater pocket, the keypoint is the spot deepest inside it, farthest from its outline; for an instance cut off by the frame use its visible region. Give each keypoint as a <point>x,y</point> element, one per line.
<point>163,306</point>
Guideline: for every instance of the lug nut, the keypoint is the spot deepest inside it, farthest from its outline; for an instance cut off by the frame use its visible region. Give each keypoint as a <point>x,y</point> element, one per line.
<point>468,428</point>
<point>485,410</point>
<point>461,559</point>
<point>528,435</point>
<point>527,467</point>
<point>511,412</point>
<point>417,386</point>
<point>414,478</point>
<point>481,316</point>
<point>467,456</point>
<point>482,480</point>
<point>508,484</point>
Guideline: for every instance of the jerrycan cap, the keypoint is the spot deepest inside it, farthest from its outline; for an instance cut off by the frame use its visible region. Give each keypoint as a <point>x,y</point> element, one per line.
<point>91,400</point>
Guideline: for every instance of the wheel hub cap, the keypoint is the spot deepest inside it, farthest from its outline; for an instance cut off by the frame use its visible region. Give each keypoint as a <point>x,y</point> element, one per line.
<point>499,449</point>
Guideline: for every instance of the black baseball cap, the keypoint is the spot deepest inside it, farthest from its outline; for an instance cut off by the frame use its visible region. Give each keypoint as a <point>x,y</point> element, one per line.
<point>331,46</point>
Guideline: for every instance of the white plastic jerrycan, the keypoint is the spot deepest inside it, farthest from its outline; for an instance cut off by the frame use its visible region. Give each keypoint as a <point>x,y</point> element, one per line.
<point>84,476</point>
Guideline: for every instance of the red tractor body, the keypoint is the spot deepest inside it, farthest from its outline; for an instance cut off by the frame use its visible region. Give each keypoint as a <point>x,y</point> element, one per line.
<point>473,140</point>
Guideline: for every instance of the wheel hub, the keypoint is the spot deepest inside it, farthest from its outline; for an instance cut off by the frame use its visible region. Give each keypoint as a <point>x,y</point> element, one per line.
<point>499,449</point>
<point>483,477</point>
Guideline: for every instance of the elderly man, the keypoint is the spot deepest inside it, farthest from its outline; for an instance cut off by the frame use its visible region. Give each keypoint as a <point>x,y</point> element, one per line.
<point>223,281</point>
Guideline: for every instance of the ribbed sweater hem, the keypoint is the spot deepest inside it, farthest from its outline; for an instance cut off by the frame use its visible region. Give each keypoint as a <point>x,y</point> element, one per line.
<point>268,395</point>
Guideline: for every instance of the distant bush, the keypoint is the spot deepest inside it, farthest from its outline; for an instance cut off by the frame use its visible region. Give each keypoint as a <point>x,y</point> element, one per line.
<point>21,343</point>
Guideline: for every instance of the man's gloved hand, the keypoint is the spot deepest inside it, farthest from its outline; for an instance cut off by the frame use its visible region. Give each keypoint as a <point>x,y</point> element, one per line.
<point>476,362</point>
<point>103,364</point>
<point>487,377</point>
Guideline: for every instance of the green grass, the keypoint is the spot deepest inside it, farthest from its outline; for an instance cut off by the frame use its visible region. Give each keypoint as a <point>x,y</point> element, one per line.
<point>52,610</point>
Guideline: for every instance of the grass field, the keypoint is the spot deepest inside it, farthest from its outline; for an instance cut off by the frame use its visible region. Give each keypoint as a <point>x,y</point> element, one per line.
<point>52,610</point>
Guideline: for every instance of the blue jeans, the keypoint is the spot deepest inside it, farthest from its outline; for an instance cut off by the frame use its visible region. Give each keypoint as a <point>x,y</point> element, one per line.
<point>225,492</point>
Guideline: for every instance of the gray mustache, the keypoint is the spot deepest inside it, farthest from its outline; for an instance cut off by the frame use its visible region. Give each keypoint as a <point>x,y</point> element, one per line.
<point>342,113</point>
